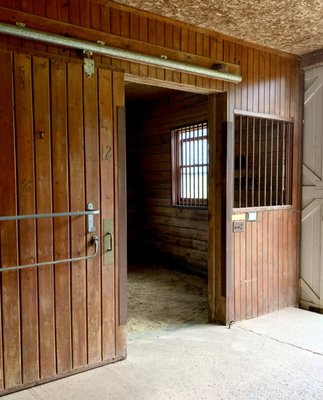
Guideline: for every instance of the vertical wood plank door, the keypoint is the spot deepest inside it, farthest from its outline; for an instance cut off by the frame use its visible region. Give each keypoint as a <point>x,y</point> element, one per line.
<point>60,150</point>
<point>312,192</point>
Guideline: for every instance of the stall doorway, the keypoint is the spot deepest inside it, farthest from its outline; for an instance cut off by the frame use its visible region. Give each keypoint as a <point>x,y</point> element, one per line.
<point>167,232</point>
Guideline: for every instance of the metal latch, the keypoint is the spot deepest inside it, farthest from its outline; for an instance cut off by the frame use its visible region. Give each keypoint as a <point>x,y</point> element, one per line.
<point>88,63</point>
<point>90,219</point>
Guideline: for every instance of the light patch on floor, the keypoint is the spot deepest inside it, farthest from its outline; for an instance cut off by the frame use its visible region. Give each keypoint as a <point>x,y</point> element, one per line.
<point>159,298</point>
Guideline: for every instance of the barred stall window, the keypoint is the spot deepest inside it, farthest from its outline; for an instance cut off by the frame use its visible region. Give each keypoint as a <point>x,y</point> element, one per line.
<point>262,161</point>
<point>190,164</point>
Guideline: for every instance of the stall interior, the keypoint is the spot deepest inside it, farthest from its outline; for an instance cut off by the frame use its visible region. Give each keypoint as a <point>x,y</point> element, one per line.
<point>167,157</point>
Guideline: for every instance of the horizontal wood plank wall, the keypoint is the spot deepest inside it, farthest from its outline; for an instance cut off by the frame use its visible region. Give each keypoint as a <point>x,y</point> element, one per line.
<point>179,234</point>
<point>270,85</point>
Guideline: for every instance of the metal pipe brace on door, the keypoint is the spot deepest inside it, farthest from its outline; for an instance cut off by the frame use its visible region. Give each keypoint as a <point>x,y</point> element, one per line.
<point>95,241</point>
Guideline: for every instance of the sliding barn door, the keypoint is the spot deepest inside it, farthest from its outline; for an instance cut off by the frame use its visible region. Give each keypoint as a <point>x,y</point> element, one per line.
<point>312,197</point>
<point>60,150</point>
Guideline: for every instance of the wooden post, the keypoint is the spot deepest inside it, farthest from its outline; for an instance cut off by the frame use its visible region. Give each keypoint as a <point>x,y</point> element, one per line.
<point>217,210</point>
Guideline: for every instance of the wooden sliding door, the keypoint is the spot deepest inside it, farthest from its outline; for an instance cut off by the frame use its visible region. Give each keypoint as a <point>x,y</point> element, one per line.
<point>60,150</point>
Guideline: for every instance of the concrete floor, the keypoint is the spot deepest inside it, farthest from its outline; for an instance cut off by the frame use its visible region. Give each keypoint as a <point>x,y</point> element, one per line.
<point>278,356</point>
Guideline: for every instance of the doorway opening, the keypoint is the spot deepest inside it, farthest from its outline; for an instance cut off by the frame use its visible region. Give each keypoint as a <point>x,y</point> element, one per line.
<point>167,237</point>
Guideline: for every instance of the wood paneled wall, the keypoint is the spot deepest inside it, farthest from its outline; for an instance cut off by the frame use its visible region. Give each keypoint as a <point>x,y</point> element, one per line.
<point>270,84</point>
<point>269,77</point>
<point>266,265</point>
<point>177,233</point>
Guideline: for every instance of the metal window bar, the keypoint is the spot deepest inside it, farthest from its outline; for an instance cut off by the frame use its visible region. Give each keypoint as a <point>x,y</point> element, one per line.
<point>247,160</point>
<point>185,169</point>
<point>191,162</point>
<point>283,199</point>
<point>259,164</point>
<point>194,156</point>
<point>197,172</point>
<point>192,171</point>
<point>266,158</point>
<point>277,161</point>
<point>180,158</point>
<point>271,162</point>
<point>262,161</point>
<point>190,144</point>
<point>95,238</point>
<point>240,162</point>
<point>289,162</point>
<point>253,163</point>
<point>207,149</point>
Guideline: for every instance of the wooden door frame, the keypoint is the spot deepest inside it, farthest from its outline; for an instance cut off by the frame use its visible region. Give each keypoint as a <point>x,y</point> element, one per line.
<point>220,272</point>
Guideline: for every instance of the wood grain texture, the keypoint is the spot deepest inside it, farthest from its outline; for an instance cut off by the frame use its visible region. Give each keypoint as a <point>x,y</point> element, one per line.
<point>120,211</point>
<point>11,333</point>
<point>42,130</point>
<point>77,187</point>
<point>61,204</point>
<point>106,18</point>
<point>55,319</point>
<point>217,227</point>
<point>269,283</point>
<point>92,179</point>
<point>26,205</point>
<point>107,208</point>
<point>271,84</point>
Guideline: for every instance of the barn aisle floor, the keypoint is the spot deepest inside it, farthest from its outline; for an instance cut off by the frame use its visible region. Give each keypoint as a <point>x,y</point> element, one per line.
<point>278,356</point>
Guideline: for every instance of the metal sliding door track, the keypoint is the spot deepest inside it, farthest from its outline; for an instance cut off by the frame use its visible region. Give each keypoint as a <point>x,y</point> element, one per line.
<point>90,48</point>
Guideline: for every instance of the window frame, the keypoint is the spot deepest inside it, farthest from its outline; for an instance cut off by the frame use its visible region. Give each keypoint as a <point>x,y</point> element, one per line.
<point>176,142</point>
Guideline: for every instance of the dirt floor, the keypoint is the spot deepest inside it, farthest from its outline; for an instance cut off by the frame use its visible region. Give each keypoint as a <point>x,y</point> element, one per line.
<point>159,298</point>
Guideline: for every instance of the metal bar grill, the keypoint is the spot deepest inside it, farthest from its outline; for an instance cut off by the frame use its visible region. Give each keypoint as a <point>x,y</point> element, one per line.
<point>266,158</point>
<point>271,163</point>
<point>247,162</point>
<point>262,173</point>
<point>284,164</point>
<point>277,163</point>
<point>253,163</point>
<point>190,165</point>
<point>240,161</point>
<point>259,163</point>
<point>198,172</point>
